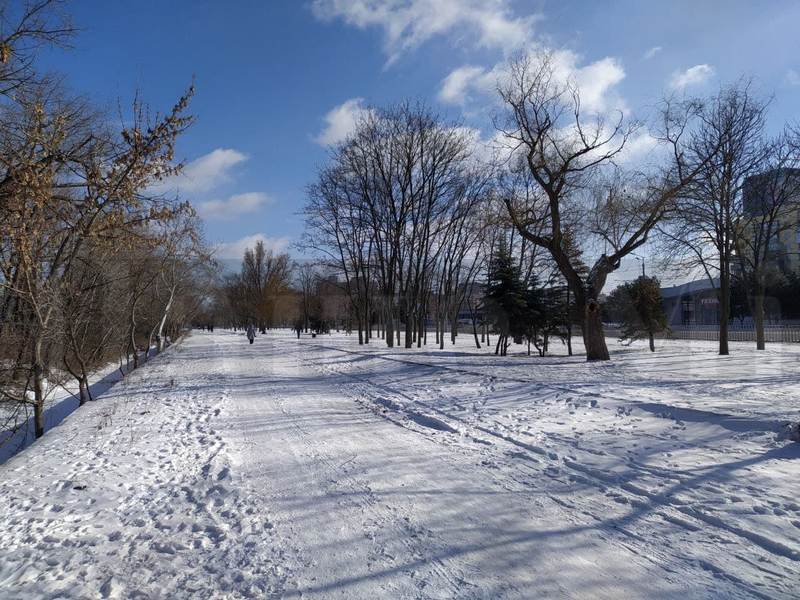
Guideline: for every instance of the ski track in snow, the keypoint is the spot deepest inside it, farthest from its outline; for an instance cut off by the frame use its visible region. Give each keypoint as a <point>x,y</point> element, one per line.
<point>317,468</point>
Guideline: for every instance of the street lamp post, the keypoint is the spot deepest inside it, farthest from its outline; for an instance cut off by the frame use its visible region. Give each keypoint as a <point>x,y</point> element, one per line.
<point>641,260</point>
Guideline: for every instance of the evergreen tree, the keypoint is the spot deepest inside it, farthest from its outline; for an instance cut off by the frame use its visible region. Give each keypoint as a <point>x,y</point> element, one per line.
<point>556,316</point>
<point>740,300</point>
<point>505,301</point>
<point>786,292</point>
<point>533,320</point>
<point>637,306</point>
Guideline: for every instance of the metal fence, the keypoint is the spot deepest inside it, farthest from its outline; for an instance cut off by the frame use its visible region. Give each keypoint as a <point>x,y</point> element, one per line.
<point>773,334</point>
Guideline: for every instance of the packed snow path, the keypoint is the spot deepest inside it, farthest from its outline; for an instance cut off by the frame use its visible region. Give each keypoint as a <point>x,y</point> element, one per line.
<point>319,469</point>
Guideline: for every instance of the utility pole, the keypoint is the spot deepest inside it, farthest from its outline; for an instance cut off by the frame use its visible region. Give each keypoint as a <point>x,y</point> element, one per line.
<point>641,260</point>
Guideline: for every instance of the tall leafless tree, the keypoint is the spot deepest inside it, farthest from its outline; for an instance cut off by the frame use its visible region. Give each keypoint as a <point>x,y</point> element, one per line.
<point>769,210</point>
<point>726,149</point>
<point>567,154</point>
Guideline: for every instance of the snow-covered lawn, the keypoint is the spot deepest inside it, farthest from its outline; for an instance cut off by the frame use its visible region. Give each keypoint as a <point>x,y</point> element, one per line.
<point>319,468</point>
<point>61,400</point>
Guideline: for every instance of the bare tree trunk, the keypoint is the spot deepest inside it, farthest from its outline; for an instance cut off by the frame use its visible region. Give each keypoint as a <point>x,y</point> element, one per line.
<point>39,373</point>
<point>758,317</point>
<point>84,394</point>
<point>724,309</point>
<point>569,324</point>
<point>475,332</point>
<point>83,391</point>
<point>409,330</point>
<point>132,334</point>
<point>389,328</point>
<point>162,322</point>
<point>593,337</point>
<point>150,342</point>
<point>652,341</point>
<point>38,398</point>
<point>82,376</point>
<point>134,350</point>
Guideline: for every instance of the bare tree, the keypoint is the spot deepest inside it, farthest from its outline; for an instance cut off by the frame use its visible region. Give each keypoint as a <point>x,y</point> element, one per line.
<point>65,180</point>
<point>338,227</point>
<point>306,276</point>
<point>384,209</point>
<point>92,314</point>
<point>461,257</point>
<point>726,149</point>
<point>26,28</point>
<point>770,201</point>
<point>184,257</point>
<point>566,155</point>
<point>256,293</point>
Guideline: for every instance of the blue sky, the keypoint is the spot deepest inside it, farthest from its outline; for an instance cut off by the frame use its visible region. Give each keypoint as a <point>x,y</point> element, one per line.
<point>276,80</point>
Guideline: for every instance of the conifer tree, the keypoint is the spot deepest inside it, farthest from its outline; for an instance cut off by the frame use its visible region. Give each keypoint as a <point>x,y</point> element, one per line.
<point>506,299</point>
<point>637,304</point>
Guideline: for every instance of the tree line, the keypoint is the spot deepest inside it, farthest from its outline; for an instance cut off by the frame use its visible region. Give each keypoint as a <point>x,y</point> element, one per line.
<point>426,227</point>
<point>95,267</point>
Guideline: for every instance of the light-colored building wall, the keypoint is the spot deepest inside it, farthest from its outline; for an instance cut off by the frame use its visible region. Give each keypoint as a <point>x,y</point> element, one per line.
<point>759,190</point>
<point>788,243</point>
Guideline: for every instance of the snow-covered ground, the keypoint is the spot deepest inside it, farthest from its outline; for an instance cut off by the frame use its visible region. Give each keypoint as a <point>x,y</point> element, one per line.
<point>61,400</point>
<point>319,468</point>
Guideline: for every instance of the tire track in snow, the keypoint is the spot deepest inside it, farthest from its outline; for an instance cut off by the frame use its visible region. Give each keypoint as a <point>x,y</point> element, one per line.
<point>384,522</point>
<point>640,546</point>
<point>669,411</point>
<point>691,519</point>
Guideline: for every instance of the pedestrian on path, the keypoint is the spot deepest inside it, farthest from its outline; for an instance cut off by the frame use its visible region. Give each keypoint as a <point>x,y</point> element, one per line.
<point>251,333</point>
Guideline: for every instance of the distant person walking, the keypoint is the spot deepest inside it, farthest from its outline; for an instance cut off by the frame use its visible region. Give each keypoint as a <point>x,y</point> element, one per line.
<point>251,333</point>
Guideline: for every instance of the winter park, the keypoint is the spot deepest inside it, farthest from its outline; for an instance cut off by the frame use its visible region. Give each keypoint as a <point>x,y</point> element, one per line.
<point>475,299</point>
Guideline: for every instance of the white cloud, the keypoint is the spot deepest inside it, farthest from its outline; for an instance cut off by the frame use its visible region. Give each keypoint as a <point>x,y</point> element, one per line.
<point>464,82</point>
<point>595,81</point>
<point>639,149</point>
<point>204,173</point>
<point>652,52</point>
<point>341,121</point>
<point>236,248</point>
<point>455,87</point>
<point>406,24</point>
<point>695,75</point>
<point>792,77</point>
<point>234,206</point>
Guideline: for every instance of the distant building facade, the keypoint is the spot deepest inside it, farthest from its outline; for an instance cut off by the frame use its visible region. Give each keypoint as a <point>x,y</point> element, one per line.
<point>759,196</point>
<point>691,303</point>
